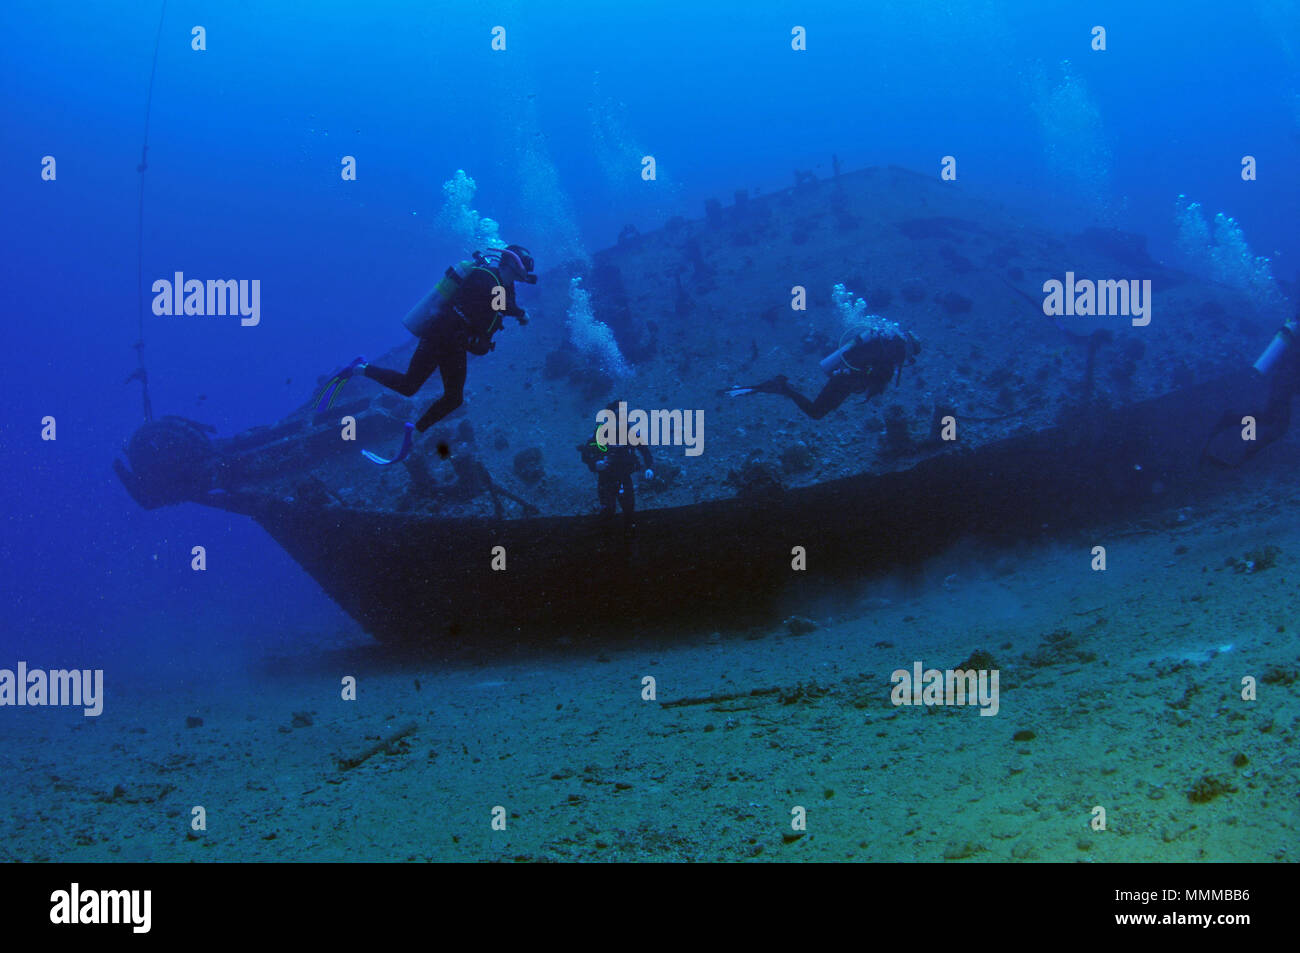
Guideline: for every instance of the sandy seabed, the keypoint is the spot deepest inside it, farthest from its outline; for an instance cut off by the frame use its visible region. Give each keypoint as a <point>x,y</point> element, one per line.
<point>1119,690</point>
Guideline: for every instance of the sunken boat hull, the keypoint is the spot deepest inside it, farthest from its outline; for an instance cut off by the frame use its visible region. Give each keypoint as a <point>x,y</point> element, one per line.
<point>1057,427</point>
<point>421,580</point>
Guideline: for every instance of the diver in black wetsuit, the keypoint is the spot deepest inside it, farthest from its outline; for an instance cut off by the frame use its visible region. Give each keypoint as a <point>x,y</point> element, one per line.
<point>455,319</point>
<point>865,365</point>
<point>614,466</point>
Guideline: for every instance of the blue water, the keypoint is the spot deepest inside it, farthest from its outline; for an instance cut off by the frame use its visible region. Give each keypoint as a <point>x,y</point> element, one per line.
<point>245,143</point>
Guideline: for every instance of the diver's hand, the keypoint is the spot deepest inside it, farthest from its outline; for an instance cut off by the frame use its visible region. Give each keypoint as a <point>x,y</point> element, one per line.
<point>649,474</point>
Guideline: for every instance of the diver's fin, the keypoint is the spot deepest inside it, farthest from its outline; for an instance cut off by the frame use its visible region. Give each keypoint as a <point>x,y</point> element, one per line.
<point>326,399</point>
<point>335,384</point>
<point>401,454</point>
<point>775,385</point>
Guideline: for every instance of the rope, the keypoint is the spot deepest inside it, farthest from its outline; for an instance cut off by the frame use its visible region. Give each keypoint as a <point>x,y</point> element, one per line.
<point>140,373</point>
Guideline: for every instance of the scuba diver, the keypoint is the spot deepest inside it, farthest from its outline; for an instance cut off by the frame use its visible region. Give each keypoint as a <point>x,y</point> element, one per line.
<point>1264,396</point>
<point>458,317</point>
<point>864,364</point>
<point>614,466</point>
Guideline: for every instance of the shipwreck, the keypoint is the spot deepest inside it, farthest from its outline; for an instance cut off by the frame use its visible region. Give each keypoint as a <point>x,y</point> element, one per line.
<point>1010,422</point>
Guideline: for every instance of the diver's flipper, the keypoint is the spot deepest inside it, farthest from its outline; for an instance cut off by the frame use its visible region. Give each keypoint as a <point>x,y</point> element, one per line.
<point>326,399</point>
<point>401,454</point>
<point>775,385</point>
<point>335,384</point>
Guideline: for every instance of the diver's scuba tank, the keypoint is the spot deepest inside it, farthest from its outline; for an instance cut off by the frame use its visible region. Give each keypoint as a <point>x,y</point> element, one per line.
<point>1278,347</point>
<point>836,359</point>
<point>867,346</point>
<point>419,320</point>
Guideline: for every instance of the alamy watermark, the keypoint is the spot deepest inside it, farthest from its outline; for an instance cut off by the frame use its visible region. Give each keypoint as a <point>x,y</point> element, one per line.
<point>1085,297</point>
<point>655,428</point>
<point>57,687</point>
<point>216,297</point>
<point>102,907</point>
<point>957,687</point>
